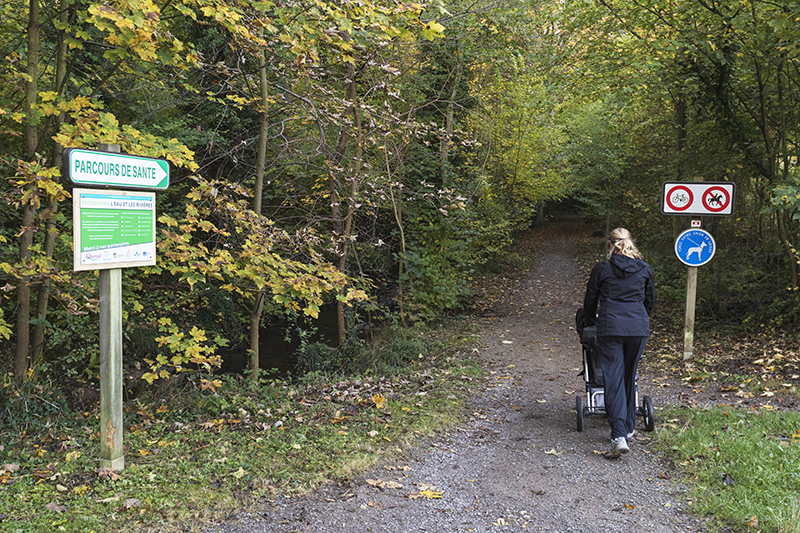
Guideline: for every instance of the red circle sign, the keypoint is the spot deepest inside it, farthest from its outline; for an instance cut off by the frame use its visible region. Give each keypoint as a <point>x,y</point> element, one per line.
<point>680,198</point>
<point>715,199</point>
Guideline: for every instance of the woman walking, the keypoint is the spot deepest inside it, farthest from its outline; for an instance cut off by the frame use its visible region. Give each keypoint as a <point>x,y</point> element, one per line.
<point>619,298</point>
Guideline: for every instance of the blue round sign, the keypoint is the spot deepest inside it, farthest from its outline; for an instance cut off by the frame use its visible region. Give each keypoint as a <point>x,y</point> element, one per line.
<point>695,247</point>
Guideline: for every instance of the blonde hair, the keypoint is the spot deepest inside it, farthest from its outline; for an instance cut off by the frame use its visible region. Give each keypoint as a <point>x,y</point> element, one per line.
<point>621,242</point>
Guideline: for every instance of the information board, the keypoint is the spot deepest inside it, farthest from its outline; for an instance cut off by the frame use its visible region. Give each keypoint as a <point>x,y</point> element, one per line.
<point>113,229</point>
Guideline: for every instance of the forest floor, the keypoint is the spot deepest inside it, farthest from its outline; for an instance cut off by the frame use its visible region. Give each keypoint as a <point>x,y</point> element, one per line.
<point>518,463</point>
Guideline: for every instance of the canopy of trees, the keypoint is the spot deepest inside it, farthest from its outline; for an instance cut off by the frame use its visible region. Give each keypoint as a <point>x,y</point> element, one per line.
<point>332,152</point>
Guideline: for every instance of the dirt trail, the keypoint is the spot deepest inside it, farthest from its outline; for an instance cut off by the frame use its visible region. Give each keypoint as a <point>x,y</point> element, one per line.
<point>518,463</point>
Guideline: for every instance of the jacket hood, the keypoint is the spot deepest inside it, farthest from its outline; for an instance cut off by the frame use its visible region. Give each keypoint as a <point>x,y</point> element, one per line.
<point>624,266</point>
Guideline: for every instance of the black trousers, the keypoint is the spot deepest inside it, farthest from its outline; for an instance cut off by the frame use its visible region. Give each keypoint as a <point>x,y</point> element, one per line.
<point>619,357</point>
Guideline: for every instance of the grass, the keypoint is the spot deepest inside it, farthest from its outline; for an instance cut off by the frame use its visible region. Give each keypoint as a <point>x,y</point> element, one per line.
<point>194,457</point>
<point>742,467</point>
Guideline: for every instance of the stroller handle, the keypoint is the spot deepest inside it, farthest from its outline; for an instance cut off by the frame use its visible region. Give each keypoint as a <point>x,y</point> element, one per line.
<point>588,334</point>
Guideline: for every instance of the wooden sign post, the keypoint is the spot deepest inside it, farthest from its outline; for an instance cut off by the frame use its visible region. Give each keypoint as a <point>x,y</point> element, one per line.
<point>113,230</point>
<point>695,247</point>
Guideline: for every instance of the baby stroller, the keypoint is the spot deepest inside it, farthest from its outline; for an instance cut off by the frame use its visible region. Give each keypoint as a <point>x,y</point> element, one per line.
<point>593,402</point>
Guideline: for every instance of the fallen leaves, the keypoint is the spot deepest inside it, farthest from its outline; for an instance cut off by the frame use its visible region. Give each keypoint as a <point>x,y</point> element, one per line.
<point>380,484</point>
<point>6,470</point>
<point>425,490</point>
<point>73,455</point>
<point>379,400</point>
<point>9,467</point>
<point>55,507</point>
<point>131,503</point>
<point>46,473</point>
<point>107,472</point>
<point>239,474</point>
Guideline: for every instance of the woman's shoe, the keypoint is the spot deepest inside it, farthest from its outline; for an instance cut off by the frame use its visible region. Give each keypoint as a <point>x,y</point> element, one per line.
<point>619,446</point>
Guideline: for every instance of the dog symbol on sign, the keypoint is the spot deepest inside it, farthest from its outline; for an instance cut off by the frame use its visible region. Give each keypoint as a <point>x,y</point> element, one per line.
<point>695,250</point>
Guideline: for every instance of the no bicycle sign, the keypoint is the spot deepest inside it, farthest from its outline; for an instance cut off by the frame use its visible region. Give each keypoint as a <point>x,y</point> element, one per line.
<point>713,198</point>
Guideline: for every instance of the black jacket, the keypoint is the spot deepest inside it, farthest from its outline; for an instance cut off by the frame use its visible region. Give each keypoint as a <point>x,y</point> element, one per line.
<point>621,292</point>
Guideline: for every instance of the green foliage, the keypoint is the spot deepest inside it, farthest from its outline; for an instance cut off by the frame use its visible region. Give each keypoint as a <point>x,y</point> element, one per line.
<point>396,348</point>
<point>436,263</point>
<point>184,352</point>
<point>30,407</point>
<point>434,143</point>
<point>318,357</point>
<point>786,198</point>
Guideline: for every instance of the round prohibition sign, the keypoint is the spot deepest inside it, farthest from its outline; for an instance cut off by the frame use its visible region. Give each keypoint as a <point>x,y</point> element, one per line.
<point>715,199</point>
<point>680,198</point>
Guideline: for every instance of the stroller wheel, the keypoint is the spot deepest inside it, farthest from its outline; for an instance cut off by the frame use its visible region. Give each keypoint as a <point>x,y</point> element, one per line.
<point>649,414</point>
<point>579,412</point>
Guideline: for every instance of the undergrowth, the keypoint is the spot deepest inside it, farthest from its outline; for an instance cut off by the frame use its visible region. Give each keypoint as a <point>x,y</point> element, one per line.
<point>193,456</point>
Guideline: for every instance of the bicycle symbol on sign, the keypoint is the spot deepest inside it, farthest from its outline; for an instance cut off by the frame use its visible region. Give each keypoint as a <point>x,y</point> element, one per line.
<point>679,198</point>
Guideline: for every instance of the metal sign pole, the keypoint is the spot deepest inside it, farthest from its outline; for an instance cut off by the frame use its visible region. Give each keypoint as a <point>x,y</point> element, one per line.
<point>111,453</point>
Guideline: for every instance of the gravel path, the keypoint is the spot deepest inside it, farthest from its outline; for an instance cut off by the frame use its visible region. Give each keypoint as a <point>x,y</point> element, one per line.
<point>517,463</point>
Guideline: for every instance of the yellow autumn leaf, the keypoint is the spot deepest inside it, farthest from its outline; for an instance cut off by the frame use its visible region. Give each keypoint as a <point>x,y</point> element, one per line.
<point>431,494</point>
<point>379,400</point>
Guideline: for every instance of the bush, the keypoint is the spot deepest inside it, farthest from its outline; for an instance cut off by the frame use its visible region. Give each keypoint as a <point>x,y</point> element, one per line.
<point>30,407</point>
<point>318,357</point>
<point>395,348</point>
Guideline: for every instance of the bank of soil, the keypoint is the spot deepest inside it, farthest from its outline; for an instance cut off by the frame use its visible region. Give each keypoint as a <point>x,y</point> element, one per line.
<point>518,462</point>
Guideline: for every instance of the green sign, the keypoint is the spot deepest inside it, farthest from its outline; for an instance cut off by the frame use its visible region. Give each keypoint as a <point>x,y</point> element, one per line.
<point>113,229</point>
<point>90,167</point>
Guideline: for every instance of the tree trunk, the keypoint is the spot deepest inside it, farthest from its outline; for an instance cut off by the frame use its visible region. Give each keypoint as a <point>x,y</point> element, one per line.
<point>397,210</point>
<point>680,119</point>
<point>28,211</point>
<point>338,223</point>
<point>51,231</point>
<point>253,363</point>
<point>348,223</point>
<point>784,147</point>
<point>444,147</point>
<point>787,247</point>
